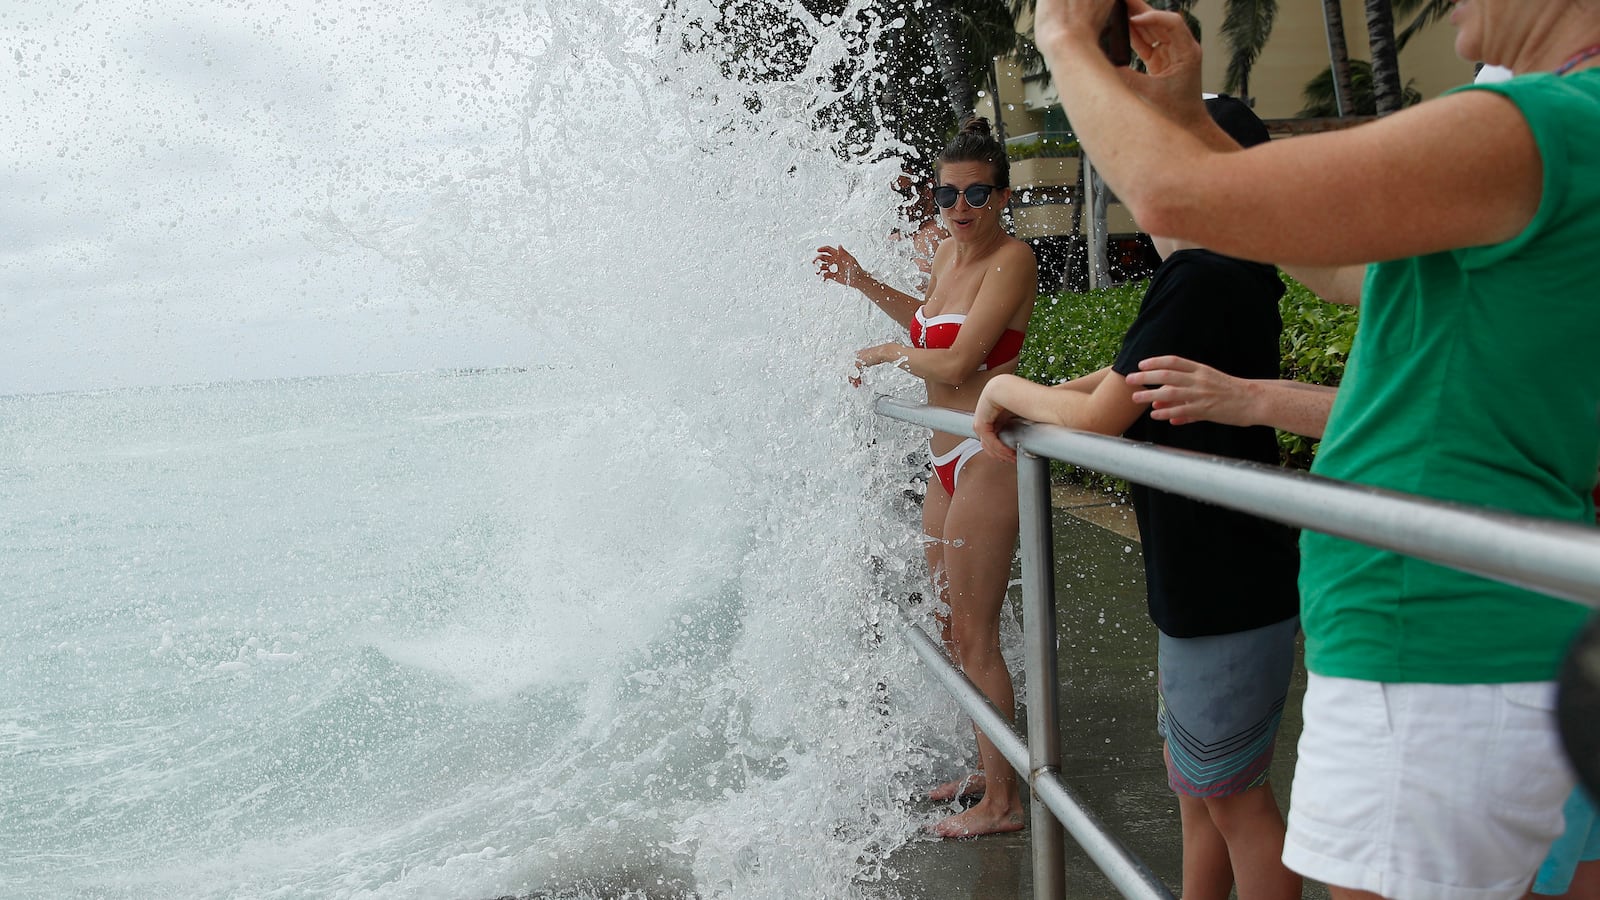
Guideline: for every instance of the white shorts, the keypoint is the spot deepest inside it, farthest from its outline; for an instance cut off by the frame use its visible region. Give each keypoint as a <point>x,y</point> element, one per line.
<point>1426,791</point>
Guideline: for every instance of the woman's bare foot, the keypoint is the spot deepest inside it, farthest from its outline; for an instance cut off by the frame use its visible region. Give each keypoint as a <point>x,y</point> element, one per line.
<point>979,820</point>
<point>969,786</point>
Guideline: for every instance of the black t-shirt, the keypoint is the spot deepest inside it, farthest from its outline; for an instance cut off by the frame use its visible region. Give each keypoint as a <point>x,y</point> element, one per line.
<point>1211,570</point>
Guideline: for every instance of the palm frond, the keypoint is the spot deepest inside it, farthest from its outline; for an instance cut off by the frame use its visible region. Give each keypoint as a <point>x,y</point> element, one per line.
<point>990,29</point>
<point>1407,7</point>
<point>1246,25</point>
<point>1431,11</point>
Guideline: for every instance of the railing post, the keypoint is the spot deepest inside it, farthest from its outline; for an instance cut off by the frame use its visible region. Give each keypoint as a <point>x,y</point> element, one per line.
<point>1039,629</point>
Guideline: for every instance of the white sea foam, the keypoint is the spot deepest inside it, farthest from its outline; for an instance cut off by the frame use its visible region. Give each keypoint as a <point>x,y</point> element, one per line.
<point>606,628</point>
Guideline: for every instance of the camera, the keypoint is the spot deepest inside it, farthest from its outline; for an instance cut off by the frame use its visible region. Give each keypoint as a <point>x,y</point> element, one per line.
<point>1114,35</point>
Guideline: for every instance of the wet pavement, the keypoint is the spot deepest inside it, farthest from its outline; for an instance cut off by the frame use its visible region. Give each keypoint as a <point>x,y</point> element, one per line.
<point>1111,755</point>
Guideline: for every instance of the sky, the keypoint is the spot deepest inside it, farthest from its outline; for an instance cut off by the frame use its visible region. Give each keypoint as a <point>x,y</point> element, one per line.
<point>165,171</point>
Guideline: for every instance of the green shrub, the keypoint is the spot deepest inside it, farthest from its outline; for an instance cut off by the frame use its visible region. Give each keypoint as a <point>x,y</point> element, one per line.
<point>1316,342</point>
<point>1047,147</point>
<point>1075,334</point>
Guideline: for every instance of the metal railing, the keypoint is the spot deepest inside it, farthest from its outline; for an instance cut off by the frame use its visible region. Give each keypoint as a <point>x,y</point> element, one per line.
<point>1554,558</point>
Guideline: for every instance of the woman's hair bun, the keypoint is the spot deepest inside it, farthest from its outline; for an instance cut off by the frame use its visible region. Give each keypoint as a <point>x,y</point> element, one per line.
<point>975,143</point>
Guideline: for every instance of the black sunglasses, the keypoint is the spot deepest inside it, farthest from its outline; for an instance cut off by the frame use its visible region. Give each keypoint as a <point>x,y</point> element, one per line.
<point>977,195</point>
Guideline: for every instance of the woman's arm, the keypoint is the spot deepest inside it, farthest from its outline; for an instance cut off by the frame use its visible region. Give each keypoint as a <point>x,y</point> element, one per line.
<point>1108,409</point>
<point>838,265</point>
<point>1191,392</point>
<point>1364,194</point>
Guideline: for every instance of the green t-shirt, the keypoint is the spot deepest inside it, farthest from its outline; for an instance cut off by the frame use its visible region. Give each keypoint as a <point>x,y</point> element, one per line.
<point>1472,379</point>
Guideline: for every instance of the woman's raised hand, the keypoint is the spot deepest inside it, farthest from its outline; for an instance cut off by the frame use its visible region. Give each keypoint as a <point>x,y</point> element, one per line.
<point>836,264</point>
<point>1171,55</point>
<point>1171,80</point>
<point>1187,391</point>
<point>1066,26</point>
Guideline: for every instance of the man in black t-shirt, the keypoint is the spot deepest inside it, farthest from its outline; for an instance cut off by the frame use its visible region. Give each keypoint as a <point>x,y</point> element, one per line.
<point>1221,584</point>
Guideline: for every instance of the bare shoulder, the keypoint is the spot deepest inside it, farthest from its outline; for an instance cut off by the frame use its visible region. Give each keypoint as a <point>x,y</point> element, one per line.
<point>1017,250</point>
<point>1015,257</point>
<point>1013,272</point>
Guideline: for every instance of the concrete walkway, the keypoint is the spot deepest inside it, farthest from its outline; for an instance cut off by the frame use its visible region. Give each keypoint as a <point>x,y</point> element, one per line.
<point>1111,753</point>
<point>1109,510</point>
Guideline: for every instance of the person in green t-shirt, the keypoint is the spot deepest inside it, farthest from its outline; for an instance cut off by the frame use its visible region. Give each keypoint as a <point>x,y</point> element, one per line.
<point>1429,765</point>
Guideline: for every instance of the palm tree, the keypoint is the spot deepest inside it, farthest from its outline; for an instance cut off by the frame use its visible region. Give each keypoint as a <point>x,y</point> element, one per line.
<point>1320,101</point>
<point>1386,88</point>
<point>965,36</point>
<point>1338,55</point>
<point>926,71</point>
<point>1246,25</point>
<point>941,22</point>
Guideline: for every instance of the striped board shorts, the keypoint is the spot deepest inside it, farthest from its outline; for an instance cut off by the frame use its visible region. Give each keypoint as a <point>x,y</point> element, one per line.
<point>1221,699</point>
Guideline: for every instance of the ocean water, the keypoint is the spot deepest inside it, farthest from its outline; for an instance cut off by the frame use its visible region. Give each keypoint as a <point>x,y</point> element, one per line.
<point>441,635</point>
<point>611,625</point>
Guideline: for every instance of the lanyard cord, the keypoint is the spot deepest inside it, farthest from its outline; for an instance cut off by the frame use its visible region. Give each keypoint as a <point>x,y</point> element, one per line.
<point>1581,56</point>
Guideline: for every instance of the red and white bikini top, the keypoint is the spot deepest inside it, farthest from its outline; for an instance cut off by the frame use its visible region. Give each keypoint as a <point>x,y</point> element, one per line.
<point>939,333</point>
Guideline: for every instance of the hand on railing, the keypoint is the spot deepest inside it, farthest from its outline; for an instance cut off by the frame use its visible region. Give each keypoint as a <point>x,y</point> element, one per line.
<point>987,420</point>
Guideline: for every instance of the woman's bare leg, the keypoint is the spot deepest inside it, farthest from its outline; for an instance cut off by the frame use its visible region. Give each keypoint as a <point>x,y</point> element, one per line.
<point>980,534</point>
<point>935,506</point>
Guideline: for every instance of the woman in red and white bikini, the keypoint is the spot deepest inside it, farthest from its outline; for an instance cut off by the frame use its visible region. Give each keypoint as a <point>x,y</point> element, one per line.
<point>968,328</point>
